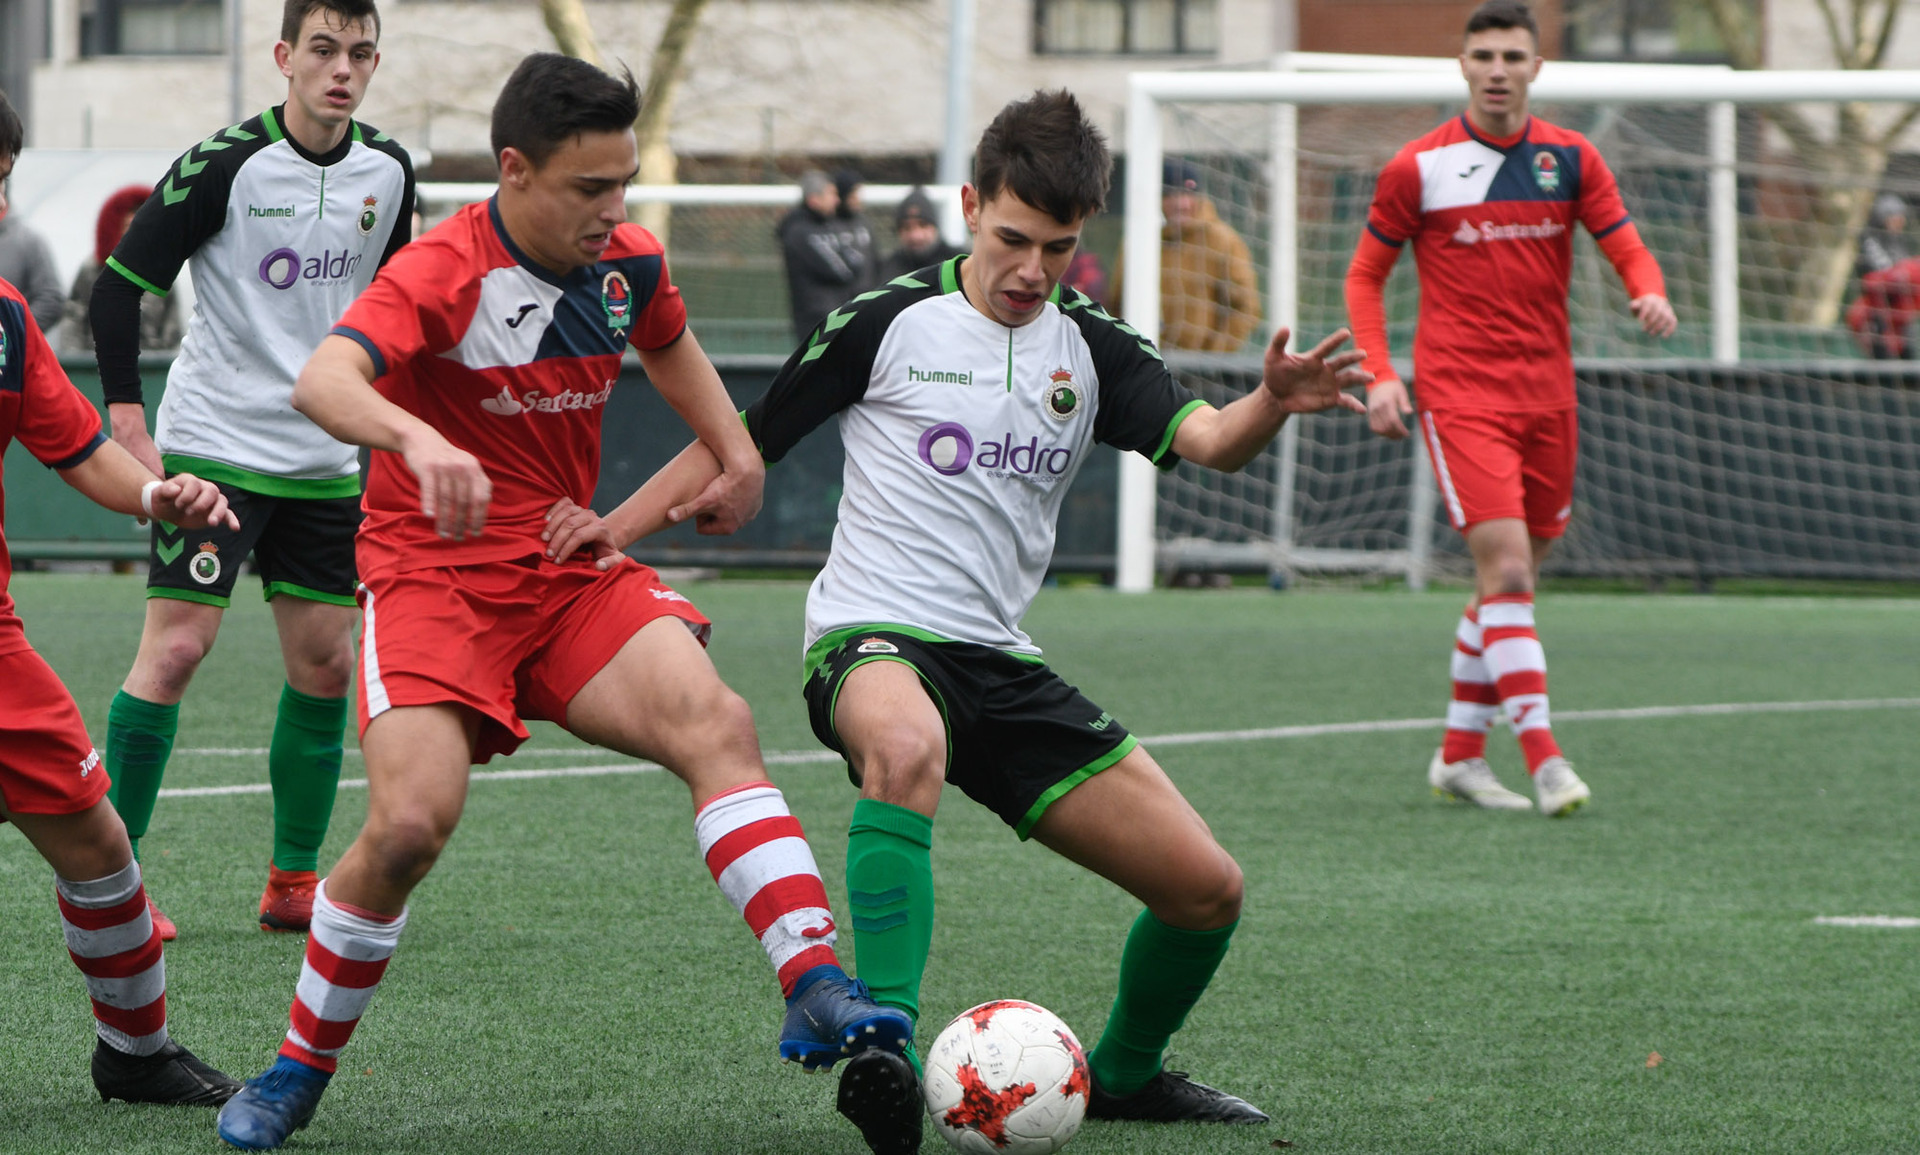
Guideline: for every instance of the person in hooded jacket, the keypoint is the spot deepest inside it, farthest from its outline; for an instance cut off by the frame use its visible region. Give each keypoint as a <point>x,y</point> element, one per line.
<point>1209,297</point>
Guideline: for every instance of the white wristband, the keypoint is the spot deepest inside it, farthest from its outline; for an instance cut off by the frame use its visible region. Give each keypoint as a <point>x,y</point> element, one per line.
<point>146,497</point>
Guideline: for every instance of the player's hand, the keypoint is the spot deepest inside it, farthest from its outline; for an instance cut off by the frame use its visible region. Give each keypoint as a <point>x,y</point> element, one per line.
<point>454,489</point>
<point>728,502</point>
<point>129,423</point>
<point>571,528</point>
<point>1655,314</point>
<point>192,503</point>
<point>1388,409</point>
<point>1316,380</point>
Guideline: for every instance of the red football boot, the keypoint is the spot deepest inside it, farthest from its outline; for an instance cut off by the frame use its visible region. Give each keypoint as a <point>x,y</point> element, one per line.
<point>161,923</point>
<point>287,904</point>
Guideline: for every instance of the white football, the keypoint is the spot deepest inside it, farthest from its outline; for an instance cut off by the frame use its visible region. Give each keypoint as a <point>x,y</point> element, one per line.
<point>1007,1076</point>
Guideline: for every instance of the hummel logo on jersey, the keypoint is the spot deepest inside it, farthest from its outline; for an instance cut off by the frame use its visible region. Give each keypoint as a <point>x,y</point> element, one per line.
<point>1102,722</point>
<point>513,322</point>
<point>282,212</point>
<point>1471,169</point>
<point>505,404</point>
<point>939,376</point>
<point>88,763</point>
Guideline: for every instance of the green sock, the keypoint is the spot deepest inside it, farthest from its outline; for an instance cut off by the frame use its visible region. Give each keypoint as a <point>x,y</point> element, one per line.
<point>1163,971</point>
<point>139,739</point>
<point>890,892</point>
<point>303,763</point>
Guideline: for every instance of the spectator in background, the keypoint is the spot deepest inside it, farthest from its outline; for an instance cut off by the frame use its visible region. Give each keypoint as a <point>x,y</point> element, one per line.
<point>918,228</point>
<point>825,267</point>
<point>1883,314</point>
<point>852,215</point>
<point>25,261</point>
<point>1087,274</point>
<point>159,316</point>
<point>1209,298</point>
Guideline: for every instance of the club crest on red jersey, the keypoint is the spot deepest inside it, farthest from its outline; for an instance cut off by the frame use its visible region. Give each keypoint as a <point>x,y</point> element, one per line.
<point>3,348</point>
<point>1546,171</point>
<point>616,299</point>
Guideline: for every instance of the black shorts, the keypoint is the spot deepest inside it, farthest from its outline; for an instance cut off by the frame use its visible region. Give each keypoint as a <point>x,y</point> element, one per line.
<point>302,547</point>
<point>1018,736</point>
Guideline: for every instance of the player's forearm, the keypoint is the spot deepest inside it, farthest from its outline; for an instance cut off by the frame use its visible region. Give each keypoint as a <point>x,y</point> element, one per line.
<point>683,376</point>
<point>111,478</point>
<point>1227,438</point>
<point>1373,261</point>
<point>1638,269</point>
<point>335,391</point>
<point>113,310</point>
<point>675,484</point>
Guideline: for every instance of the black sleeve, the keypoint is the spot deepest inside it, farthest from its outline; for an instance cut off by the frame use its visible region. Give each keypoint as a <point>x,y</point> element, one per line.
<point>1141,403</point>
<point>830,370</point>
<point>115,309</point>
<point>188,207</point>
<point>402,227</point>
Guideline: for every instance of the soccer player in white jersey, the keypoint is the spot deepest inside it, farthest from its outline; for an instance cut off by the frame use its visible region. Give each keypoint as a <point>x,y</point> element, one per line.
<point>968,395</point>
<point>284,218</point>
<point>477,368</point>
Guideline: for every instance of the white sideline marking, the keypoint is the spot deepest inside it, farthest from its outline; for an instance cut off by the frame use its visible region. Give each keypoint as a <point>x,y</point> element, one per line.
<point>1193,738</point>
<point>1897,922</point>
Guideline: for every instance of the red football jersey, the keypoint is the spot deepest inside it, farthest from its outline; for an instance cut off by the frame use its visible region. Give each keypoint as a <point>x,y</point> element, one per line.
<point>507,360</point>
<point>1491,223</point>
<point>42,410</point>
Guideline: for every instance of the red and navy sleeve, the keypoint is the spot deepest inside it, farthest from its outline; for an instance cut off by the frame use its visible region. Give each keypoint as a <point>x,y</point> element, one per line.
<point>417,306</point>
<point>1601,209</point>
<point>664,318</point>
<point>55,421</point>
<point>1395,216</point>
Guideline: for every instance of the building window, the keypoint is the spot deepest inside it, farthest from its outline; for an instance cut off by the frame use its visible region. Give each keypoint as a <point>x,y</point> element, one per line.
<point>1125,27</point>
<point>1642,30</point>
<point>152,28</point>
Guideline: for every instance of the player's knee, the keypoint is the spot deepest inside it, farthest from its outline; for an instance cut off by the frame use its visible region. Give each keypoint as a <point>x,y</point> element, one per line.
<point>1513,575</point>
<point>327,675</point>
<point>407,844</point>
<point>902,763</point>
<point>1212,897</point>
<point>178,656</point>
<point>720,717</point>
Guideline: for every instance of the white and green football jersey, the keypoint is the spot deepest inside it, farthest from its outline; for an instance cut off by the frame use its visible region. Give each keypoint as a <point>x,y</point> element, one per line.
<point>962,437</point>
<point>280,242</point>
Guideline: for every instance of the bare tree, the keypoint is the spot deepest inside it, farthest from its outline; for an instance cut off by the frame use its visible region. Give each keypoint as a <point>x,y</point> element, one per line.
<point>573,34</point>
<point>1848,160</point>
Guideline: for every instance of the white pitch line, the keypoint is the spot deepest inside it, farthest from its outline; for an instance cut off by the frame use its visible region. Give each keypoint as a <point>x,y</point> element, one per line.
<point>1897,922</point>
<point>1192,738</point>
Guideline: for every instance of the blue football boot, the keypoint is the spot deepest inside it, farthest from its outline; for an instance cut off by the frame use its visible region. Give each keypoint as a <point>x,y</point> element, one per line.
<point>273,1106</point>
<point>831,1016</point>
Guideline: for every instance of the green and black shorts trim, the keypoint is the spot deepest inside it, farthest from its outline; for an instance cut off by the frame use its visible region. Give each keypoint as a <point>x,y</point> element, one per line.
<point>302,547</point>
<point>1018,736</point>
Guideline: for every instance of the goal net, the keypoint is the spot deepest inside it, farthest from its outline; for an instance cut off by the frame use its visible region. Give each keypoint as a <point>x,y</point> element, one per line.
<point>1759,440</point>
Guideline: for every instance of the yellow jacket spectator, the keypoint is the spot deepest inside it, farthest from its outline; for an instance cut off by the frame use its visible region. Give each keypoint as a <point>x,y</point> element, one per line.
<point>1209,298</point>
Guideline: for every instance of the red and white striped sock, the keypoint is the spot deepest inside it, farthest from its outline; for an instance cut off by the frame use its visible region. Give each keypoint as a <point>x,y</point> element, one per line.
<point>347,953</point>
<point>757,853</point>
<point>1476,700</point>
<point>1519,668</point>
<point>111,938</point>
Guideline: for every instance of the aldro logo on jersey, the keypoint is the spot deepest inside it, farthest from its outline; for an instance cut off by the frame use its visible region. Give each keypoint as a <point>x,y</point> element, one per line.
<point>284,268</point>
<point>950,450</point>
<point>1063,400</point>
<point>616,299</point>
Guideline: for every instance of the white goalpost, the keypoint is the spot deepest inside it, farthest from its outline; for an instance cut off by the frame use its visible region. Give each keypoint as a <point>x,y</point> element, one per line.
<point>1715,193</point>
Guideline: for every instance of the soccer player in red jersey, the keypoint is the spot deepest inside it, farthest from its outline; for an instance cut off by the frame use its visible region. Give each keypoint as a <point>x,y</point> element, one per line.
<point>52,785</point>
<point>478,365</point>
<point>1489,201</point>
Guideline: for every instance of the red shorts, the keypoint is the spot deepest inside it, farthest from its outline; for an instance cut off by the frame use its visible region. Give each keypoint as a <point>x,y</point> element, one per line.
<point>47,763</point>
<point>1492,465</point>
<point>510,639</point>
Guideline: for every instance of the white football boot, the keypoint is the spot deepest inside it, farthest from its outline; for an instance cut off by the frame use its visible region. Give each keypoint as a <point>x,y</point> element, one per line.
<point>1559,789</point>
<point>1472,780</point>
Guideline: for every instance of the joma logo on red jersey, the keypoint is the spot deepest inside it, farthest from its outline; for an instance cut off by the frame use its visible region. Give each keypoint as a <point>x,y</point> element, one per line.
<point>1471,234</point>
<point>505,404</point>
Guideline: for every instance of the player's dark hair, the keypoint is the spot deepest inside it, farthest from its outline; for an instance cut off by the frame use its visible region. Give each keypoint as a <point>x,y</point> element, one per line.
<point>1503,14</point>
<point>1045,151</point>
<point>13,135</point>
<point>295,13</point>
<point>550,99</point>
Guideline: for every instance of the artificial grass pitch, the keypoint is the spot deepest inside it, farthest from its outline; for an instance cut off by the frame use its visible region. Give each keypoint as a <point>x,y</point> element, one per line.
<point>1408,976</point>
